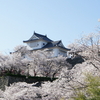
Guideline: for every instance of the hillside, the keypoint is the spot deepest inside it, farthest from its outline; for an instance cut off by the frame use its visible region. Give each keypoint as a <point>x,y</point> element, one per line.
<point>70,77</point>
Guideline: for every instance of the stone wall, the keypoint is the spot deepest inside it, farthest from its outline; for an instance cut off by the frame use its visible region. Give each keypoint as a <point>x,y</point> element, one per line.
<point>7,80</point>
<point>4,81</point>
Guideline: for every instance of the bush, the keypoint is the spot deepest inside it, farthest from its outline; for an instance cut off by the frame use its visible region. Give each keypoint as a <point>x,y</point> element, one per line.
<point>90,91</point>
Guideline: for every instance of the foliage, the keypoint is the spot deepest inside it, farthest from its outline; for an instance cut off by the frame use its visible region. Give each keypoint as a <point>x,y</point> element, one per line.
<point>42,64</point>
<point>34,63</point>
<point>88,45</point>
<point>90,91</point>
<point>56,90</point>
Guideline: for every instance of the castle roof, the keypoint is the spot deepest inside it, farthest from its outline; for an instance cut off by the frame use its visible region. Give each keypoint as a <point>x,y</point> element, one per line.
<point>55,44</point>
<point>50,43</point>
<point>37,36</point>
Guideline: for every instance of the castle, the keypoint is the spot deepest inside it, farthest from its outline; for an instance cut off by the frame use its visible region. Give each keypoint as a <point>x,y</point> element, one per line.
<point>40,42</point>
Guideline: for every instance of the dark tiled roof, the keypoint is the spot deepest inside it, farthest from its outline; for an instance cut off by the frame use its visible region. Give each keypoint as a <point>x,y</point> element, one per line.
<point>42,37</point>
<point>55,44</point>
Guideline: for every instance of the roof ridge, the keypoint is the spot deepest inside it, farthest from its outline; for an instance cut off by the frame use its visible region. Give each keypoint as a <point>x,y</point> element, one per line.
<point>39,34</point>
<point>57,41</point>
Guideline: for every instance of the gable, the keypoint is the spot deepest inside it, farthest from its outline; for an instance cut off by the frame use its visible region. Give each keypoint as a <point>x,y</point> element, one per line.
<point>61,44</point>
<point>37,36</point>
<point>34,37</point>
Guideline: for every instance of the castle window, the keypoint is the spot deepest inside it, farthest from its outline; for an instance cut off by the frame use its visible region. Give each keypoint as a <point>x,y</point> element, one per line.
<point>43,43</point>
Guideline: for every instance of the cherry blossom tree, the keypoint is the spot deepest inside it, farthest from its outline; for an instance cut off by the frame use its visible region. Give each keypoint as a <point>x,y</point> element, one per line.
<point>44,64</point>
<point>21,49</point>
<point>14,63</point>
<point>34,63</point>
<point>88,46</point>
<point>53,66</point>
<point>3,62</point>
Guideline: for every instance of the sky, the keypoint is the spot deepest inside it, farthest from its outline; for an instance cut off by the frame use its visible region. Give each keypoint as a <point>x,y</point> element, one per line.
<point>64,20</point>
